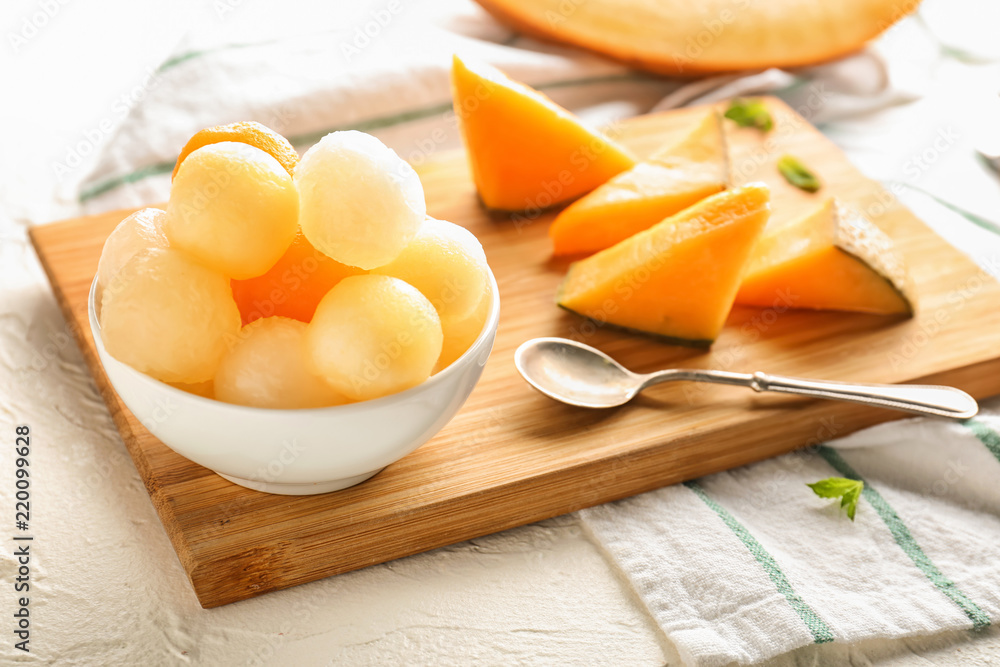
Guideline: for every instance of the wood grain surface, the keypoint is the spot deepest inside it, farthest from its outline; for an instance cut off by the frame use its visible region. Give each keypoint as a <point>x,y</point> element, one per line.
<point>512,456</point>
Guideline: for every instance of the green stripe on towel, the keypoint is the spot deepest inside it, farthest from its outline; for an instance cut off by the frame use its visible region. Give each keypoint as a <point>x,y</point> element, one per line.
<point>137,175</point>
<point>377,123</point>
<point>820,631</point>
<point>907,543</point>
<point>977,220</point>
<point>180,58</point>
<point>986,434</point>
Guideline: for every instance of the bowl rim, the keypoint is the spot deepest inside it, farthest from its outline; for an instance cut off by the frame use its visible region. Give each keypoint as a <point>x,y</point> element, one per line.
<point>492,322</point>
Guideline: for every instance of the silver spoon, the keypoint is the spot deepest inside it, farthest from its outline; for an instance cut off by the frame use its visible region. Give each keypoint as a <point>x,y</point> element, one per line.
<point>580,375</point>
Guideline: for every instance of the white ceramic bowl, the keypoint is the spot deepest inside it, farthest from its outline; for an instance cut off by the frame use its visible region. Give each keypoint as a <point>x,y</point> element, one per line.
<point>298,452</point>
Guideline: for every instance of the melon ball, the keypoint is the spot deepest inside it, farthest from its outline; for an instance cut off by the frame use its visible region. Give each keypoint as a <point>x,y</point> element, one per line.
<point>267,369</point>
<point>139,231</point>
<point>374,335</point>
<point>447,264</point>
<point>460,335</point>
<point>293,287</point>
<point>359,202</point>
<point>234,208</point>
<point>169,317</point>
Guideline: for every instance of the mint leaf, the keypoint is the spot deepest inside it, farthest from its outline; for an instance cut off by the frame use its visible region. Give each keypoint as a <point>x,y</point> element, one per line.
<point>848,490</point>
<point>798,174</point>
<point>833,487</point>
<point>750,113</point>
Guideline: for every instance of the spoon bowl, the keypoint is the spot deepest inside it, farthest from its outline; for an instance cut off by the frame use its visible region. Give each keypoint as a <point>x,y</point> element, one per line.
<point>575,373</point>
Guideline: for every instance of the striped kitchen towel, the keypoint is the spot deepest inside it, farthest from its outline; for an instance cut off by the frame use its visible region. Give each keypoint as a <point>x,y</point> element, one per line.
<point>747,564</point>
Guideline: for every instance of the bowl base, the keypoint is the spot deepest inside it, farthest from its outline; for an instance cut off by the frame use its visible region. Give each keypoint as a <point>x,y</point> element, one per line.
<point>303,488</point>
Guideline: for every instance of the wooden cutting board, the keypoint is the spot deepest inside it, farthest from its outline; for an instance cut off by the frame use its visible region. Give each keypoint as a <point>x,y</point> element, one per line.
<point>512,456</point>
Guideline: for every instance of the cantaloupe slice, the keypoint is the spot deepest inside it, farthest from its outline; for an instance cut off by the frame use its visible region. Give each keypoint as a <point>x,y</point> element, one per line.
<point>634,200</point>
<point>527,152</point>
<point>677,279</point>
<point>831,259</point>
<point>689,38</point>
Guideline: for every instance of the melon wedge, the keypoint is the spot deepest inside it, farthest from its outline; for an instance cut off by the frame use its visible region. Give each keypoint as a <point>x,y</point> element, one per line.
<point>677,279</point>
<point>527,152</point>
<point>831,259</point>
<point>634,200</point>
<point>690,38</point>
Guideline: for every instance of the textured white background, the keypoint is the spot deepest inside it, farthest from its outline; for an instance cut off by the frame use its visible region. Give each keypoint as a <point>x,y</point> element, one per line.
<point>107,587</point>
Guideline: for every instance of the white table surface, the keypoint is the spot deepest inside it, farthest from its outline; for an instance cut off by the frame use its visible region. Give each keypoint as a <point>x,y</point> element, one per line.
<point>107,587</point>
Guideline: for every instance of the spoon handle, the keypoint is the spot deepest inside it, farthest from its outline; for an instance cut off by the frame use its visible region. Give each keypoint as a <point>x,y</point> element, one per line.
<point>923,399</point>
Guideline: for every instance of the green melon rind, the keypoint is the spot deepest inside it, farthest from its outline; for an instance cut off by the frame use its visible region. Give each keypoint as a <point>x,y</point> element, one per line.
<point>900,290</point>
<point>861,240</point>
<point>699,343</point>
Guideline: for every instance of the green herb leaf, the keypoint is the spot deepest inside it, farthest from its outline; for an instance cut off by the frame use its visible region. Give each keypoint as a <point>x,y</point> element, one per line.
<point>848,490</point>
<point>798,174</point>
<point>750,113</point>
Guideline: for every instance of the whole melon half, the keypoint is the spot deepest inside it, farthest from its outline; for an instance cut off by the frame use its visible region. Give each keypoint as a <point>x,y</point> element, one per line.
<point>692,37</point>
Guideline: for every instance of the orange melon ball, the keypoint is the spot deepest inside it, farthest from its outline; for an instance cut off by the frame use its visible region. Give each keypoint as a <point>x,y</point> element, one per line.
<point>234,208</point>
<point>374,335</point>
<point>169,317</point>
<point>447,264</point>
<point>244,132</point>
<point>204,389</point>
<point>460,335</point>
<point>360,203</point>
<point>139,231</point>
<point>267,369</point>
<point>293,287</point>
